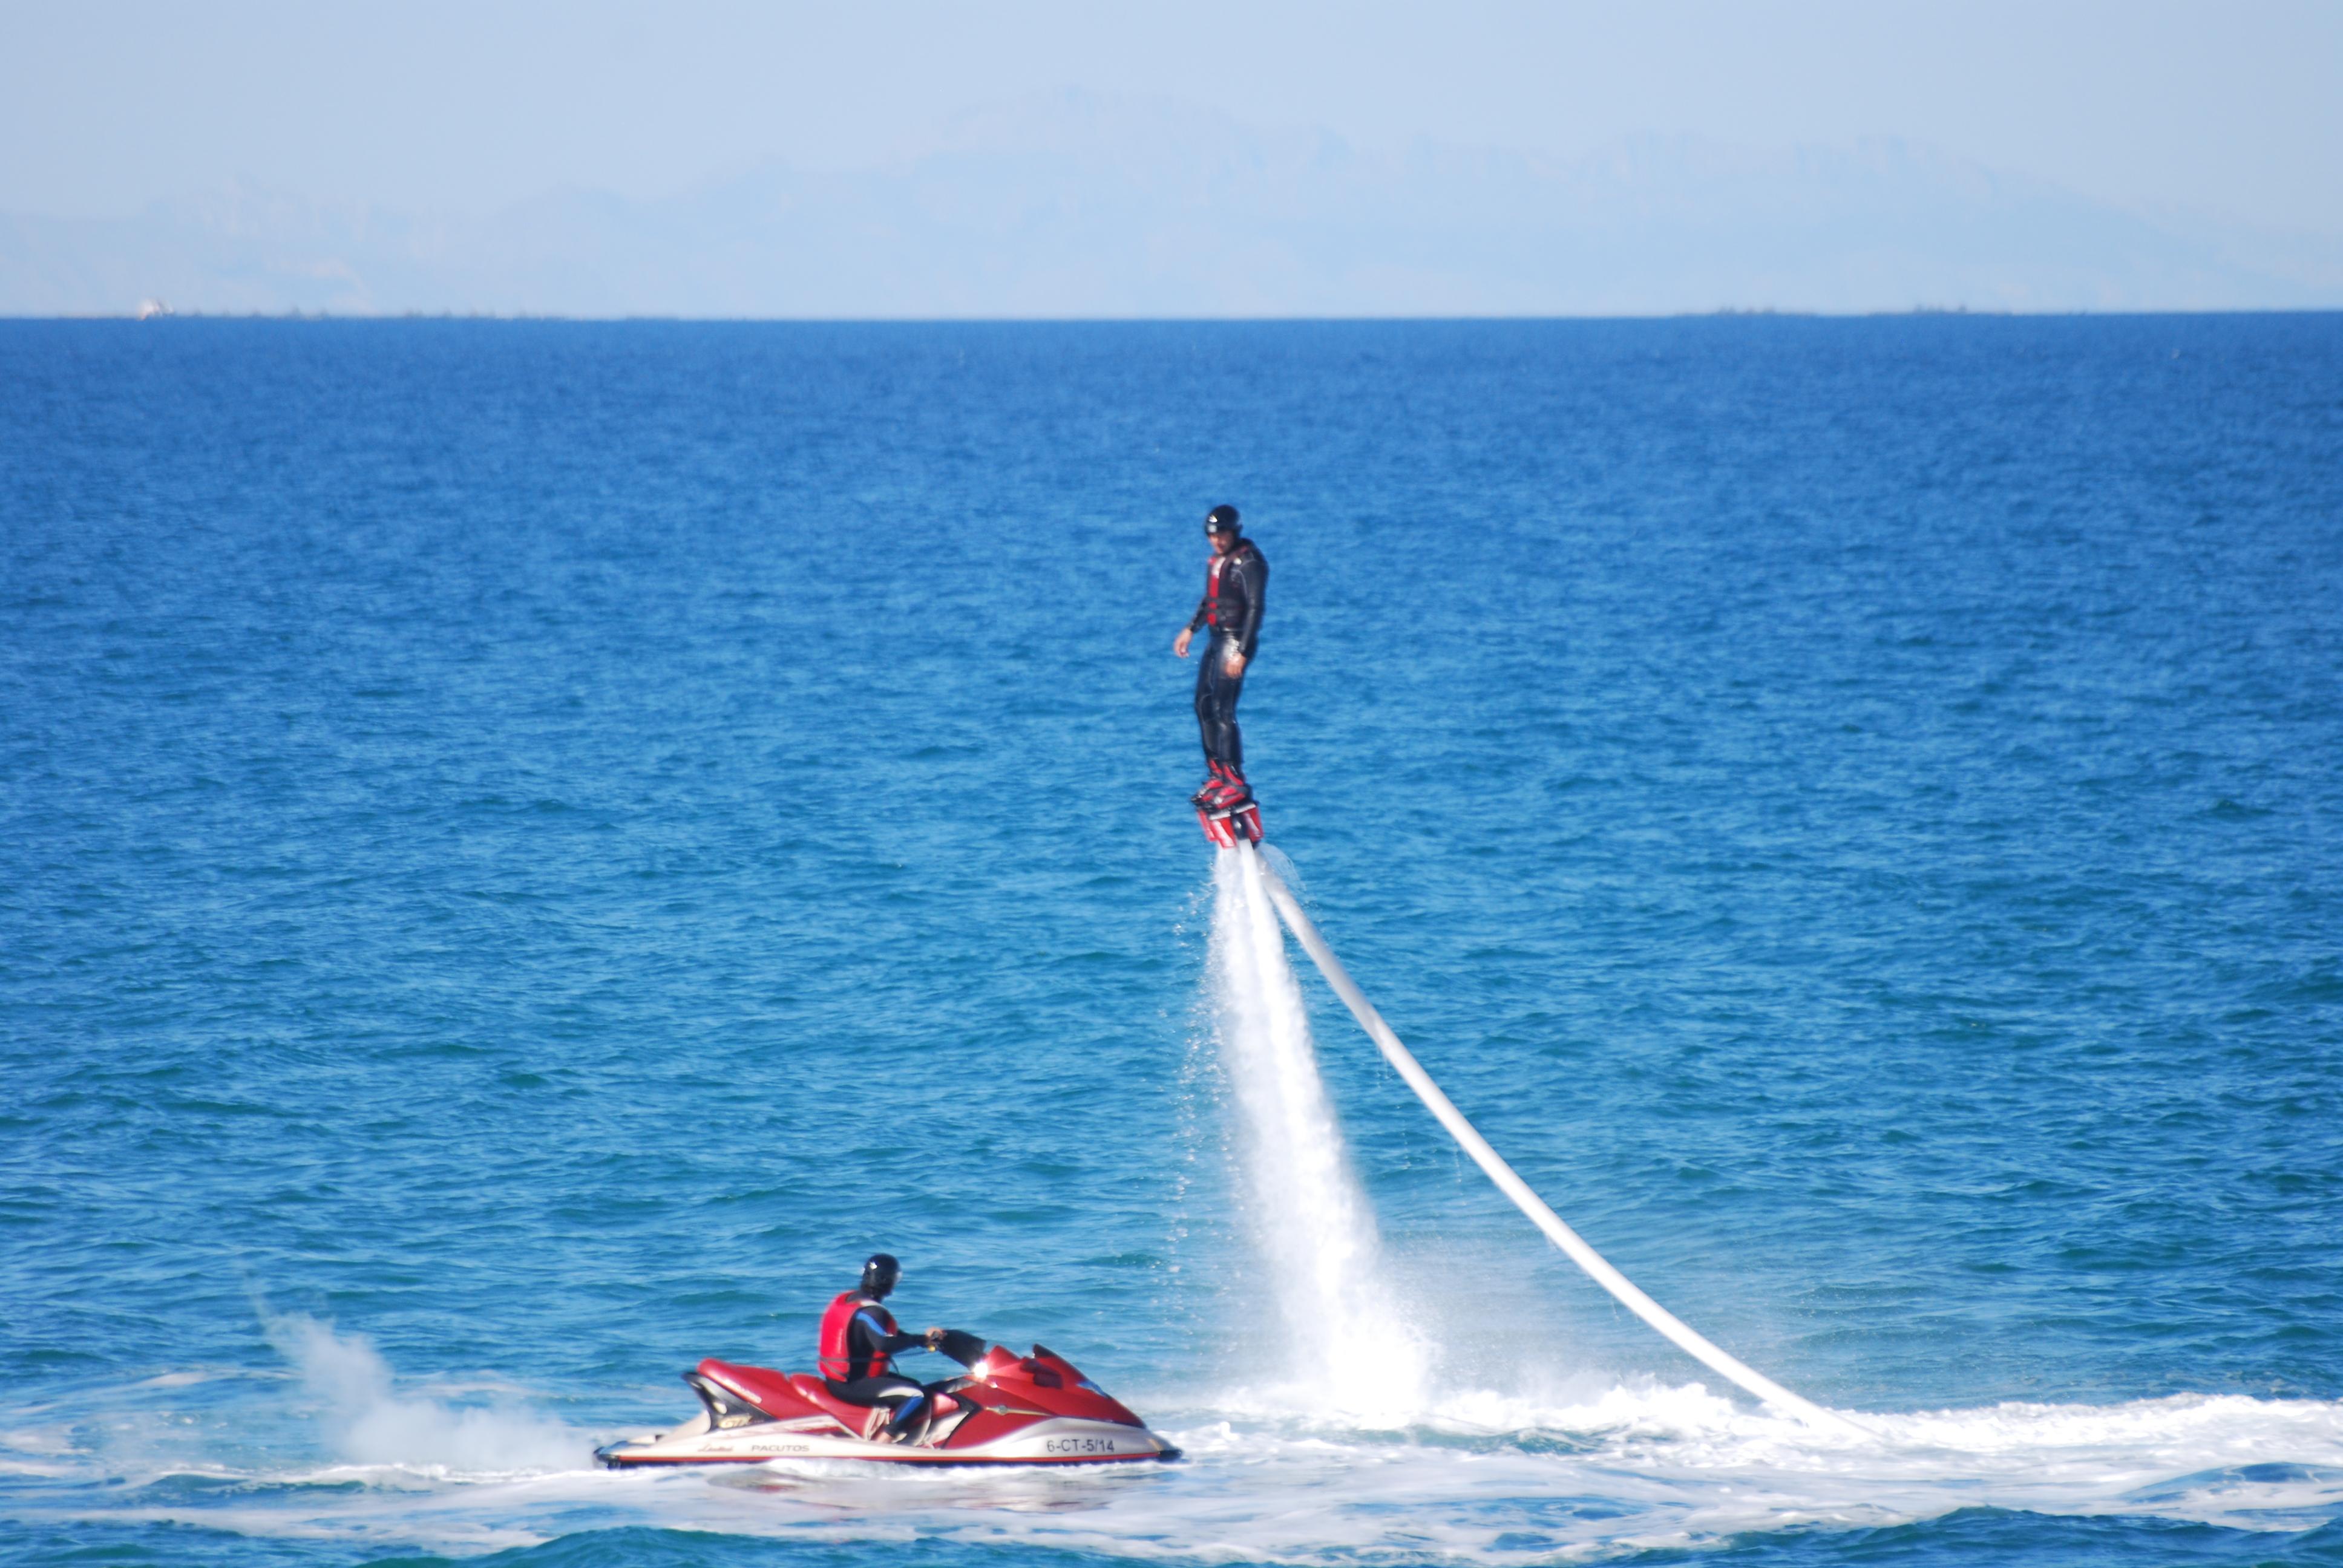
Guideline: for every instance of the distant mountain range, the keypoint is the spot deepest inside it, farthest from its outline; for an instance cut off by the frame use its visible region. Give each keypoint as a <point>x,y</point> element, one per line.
<point>1076,204</point>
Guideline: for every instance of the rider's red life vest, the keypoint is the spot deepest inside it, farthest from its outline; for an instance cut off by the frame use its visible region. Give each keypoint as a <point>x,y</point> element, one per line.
<point>837,1357</point>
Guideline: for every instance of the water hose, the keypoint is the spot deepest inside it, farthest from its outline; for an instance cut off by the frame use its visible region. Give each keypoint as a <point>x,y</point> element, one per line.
<point>1674,1329</point>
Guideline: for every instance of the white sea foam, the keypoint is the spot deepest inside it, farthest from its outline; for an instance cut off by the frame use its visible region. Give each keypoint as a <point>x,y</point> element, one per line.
<point>1477,1477</point>
<point>373,1425</point>
<point>1635,1468</point>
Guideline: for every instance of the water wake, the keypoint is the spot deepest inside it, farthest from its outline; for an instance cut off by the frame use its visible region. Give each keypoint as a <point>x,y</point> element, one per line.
<point>1485,1480</point>
<point>372,1425</point>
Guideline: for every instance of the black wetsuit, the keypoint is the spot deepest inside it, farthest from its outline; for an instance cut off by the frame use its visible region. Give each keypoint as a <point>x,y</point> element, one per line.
<point>1234,585</point>
<point>866,1340</point>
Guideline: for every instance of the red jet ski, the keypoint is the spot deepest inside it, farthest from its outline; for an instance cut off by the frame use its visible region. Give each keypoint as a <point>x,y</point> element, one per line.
<point>1005,1409</point>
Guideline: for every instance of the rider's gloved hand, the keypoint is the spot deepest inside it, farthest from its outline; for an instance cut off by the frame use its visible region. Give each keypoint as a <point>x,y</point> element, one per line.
<point>935,1339</point>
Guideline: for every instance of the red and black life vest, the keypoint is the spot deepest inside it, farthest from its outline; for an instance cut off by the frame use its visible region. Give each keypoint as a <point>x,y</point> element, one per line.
<point>1233,586</point>
<point>838,1361</point>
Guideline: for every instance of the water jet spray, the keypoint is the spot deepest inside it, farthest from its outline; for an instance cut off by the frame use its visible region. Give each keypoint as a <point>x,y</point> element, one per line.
<point>1508,1182</point>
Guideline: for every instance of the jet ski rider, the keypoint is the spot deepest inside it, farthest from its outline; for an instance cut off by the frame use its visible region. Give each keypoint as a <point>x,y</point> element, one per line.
<point>859,1343</point>
<point>1234,583</point>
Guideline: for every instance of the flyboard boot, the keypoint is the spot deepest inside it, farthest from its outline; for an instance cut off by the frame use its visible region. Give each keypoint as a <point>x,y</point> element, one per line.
<point>1226,809</point>
<point>1208,794</point>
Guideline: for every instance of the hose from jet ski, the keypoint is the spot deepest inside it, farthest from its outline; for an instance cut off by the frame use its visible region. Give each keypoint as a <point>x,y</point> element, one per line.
<point>1598,1268</point>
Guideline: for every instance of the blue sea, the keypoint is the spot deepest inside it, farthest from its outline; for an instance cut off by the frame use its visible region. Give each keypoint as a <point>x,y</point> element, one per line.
<point>528,848</point>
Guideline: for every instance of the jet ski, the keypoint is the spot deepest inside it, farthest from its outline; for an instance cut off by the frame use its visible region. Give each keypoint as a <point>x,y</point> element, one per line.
<point>1004,1409</point>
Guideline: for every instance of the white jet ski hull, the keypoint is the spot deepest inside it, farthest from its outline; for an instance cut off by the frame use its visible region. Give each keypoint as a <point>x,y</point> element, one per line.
<point>1061,1439</point>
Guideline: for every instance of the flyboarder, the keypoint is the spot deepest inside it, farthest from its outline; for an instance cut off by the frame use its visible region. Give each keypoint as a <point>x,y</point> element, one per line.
<point>1235,580</point>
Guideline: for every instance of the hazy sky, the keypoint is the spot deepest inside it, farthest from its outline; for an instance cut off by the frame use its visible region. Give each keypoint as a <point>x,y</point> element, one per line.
<point>2229,108</point>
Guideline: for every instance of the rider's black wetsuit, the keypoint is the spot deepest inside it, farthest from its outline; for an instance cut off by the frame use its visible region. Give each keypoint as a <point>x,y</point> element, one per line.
<point>1234,585</point>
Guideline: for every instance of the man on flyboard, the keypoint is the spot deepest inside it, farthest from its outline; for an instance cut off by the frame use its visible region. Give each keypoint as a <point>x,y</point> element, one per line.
<point>1235,580</point>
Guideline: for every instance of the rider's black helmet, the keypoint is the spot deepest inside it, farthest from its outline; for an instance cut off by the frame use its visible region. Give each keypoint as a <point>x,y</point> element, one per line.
<point>1222,519</point>
<point>880,1274</point>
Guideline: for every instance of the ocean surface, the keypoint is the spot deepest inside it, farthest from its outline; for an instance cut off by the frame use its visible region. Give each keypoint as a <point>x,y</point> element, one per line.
<point>528,848</point>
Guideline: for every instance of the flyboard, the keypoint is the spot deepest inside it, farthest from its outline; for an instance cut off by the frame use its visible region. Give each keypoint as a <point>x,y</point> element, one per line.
<point>1236,830</point>
<point>1229,823</point>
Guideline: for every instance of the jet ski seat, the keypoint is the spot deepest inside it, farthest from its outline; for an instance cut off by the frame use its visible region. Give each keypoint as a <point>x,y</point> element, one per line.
<point>810,1389</point>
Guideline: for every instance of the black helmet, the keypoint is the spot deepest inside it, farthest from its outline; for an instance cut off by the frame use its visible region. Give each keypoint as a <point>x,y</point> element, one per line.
<point>1222,519</point>
<point>879,1274</point>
